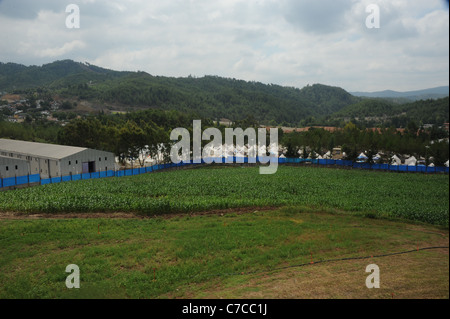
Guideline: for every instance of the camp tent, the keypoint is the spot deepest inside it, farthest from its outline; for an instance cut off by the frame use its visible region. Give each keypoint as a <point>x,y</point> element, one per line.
<point>362,156</point>
<point>395,160</point>
<point>412,161</point>
<point>377,157</point>
<point>327,155</point>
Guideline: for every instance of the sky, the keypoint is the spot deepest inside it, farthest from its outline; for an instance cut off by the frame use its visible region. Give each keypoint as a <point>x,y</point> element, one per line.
<point>285,42</point>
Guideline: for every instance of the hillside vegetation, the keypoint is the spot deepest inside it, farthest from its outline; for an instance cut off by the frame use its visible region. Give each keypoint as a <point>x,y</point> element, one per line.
<point>214,97</point>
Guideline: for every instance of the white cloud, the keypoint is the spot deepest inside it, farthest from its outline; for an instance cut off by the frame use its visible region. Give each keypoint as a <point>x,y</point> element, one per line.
<point>286,42</point>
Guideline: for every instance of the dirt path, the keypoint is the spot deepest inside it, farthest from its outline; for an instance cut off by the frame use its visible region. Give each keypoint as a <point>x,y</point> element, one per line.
<point>123,215</point>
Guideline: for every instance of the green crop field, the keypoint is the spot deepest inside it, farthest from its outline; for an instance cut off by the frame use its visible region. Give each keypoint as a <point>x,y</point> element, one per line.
<point>258,229</point>
<point>416,197</point>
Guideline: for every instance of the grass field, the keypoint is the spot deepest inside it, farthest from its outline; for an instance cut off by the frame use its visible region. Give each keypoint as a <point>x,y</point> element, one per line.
<point>146,241</point>
<point>214,256</point>
<point>415,197</point>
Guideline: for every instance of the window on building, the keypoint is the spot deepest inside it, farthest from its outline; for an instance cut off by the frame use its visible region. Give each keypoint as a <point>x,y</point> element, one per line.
<point>106,158</point>
<point>70,163</point>
<point>99,159</point>
<point>17,167</point>
<point>7,168</point>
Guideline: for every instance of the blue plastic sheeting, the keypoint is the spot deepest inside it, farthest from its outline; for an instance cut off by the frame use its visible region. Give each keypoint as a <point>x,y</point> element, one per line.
<point>431,169</point>
<point>110,174</point>
<point>95,175</point>
<point>103,174</point>
<point>128,172</point>
<point>412,169</point>
<point>76,177</point>
<point>393,168</point>
<point>86,176</point>
<point>120,173</point>
<point>421,168</point>
<point>67,178</point>
<point>142,170</point>
<point>46,181</point>
<point>135,171</point>
<point>20,180</point>
<point>34,178</point>
<point>440,169</point>
<point>1,182</point>
<point>149,169</point>
<point>10,181</point>
<point>322,162</point>
<point>56,180</point>
<point>402,168</point>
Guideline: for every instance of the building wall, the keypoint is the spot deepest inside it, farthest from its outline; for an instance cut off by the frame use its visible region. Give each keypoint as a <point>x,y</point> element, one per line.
<point>12,167</point>
<point>74,164</point>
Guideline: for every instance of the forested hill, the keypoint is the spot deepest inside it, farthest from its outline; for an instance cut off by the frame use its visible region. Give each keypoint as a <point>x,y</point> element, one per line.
<point>16,76</point>
<point>398,115</point>
<point>209,96</point>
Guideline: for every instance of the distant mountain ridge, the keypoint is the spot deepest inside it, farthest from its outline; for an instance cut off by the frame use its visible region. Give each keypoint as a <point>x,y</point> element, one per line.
<point>216,97</point>
<point>432,93</point>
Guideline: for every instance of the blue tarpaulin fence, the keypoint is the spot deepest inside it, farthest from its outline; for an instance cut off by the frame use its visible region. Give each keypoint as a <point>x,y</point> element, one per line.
<point>33,179</point>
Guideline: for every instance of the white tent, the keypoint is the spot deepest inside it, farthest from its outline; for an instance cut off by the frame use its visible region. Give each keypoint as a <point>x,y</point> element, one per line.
<point>362,157</point>
<point>395,160</point>
<point>327,155</point>
<point>446,163</point>
<point>412,161</point>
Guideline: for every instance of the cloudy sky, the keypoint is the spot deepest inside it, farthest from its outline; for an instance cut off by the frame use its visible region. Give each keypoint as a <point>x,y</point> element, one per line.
<point>286,42</point>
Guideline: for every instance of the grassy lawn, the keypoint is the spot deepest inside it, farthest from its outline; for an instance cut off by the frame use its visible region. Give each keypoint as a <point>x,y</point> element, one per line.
<point>222,255</point>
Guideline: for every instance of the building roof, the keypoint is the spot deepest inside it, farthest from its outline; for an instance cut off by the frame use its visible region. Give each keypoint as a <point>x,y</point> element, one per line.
<point>39,149</point>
